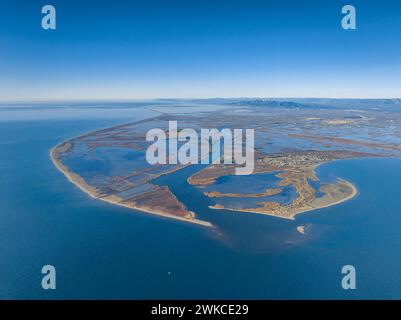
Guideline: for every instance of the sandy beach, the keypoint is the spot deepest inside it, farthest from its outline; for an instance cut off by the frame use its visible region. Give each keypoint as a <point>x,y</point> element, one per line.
<point>319,203</point>
<point>84,187</point>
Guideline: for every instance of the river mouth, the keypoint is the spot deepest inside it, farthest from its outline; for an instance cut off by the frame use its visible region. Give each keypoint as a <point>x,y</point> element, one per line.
<point>246,231</point>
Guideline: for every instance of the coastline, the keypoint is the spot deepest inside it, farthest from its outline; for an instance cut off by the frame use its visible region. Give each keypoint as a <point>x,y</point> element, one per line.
<point>349,197</point>
<point>307,208</point>
<point>289,213</point>
<point>80,183</point>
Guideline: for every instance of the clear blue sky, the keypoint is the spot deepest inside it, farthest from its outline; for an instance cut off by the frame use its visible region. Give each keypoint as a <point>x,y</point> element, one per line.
<point>199,48</point>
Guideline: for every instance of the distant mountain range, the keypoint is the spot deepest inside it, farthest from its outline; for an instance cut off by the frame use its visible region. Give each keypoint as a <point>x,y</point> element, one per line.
<point>323,103</point>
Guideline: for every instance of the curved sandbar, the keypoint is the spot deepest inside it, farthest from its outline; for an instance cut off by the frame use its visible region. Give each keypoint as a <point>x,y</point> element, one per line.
<point>333,195</point>
<point>301,229</point>
<point>294,169</point>
<point>79,182</point>
<point>123,178</point>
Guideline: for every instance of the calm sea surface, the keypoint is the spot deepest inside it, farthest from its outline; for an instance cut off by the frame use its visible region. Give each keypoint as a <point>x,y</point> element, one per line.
<point>103,251</point>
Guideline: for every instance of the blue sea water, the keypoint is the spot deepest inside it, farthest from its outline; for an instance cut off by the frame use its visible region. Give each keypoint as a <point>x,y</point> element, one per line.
<point>103,251</point>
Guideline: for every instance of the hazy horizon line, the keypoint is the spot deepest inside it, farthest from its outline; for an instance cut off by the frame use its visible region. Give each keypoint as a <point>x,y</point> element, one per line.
<point>186,99</point>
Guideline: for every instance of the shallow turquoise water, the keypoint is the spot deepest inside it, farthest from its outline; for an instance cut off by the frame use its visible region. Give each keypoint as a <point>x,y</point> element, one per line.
<point>103,251</point>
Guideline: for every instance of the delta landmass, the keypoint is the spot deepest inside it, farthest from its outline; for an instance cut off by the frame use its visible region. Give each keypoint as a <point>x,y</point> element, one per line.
<point>293,138</point>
